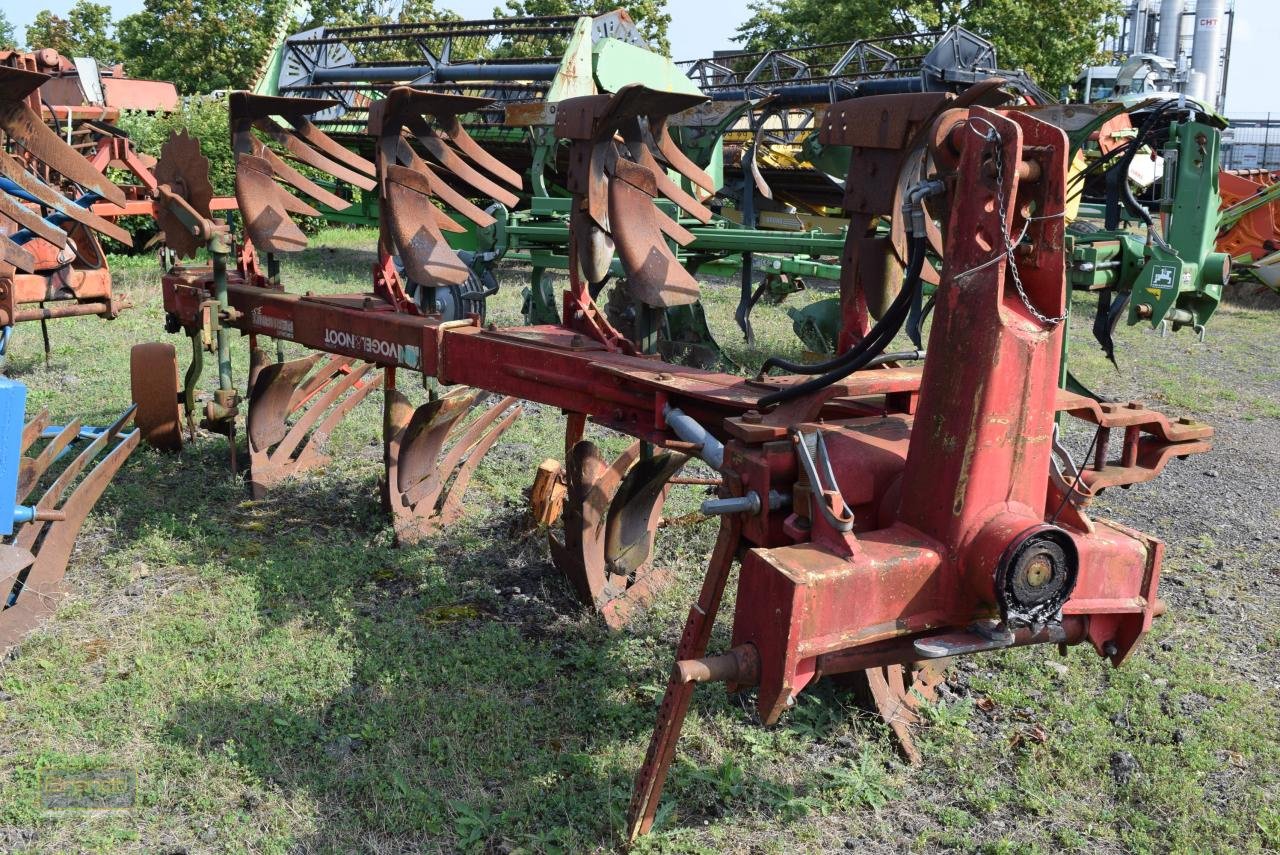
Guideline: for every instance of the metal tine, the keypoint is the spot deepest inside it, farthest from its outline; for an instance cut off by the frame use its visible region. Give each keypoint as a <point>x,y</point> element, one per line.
<point>298,430</point>
<point>471,438</point>
<point>454,163</point>
<point>32,221</point>
<point>667,187</point>
<point>266,206</point>
<point>28,536</point>
<point>305,130</point>
<point>13,254</point>
<point>311,386</point>
<point>46,195</point>
<point>290,202</point>
<point>676,158</point>
<point>437,187</point>
<point>31,469</point>
<point>297,180</point>
<point>452,128</point>
<point>299,150</point>
<point>33,429</point>
<point>28,130</point>
<point>480,437</point>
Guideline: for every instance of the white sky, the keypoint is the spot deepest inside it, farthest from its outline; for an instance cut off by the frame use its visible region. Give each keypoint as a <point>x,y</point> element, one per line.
<point>699,27</point>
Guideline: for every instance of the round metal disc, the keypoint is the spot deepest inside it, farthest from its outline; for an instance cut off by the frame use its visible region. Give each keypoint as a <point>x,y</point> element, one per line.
<point>185,169</point>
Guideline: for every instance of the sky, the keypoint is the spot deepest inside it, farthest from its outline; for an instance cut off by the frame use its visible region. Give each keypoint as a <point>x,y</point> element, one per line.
<point>699,27</point>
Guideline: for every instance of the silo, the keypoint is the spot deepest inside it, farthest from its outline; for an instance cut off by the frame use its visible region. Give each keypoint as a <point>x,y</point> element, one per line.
<point>1206,47</point>
<point>1170,27</point>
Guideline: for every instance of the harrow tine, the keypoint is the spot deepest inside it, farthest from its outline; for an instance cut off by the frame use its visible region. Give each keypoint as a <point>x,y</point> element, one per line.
<point>33,596</point>
<point>666,187</point>
<point>15,256</point>
<point>46,195</point>
<point>423,490</point>
<point>319,140</point>
<point>33,222</point>
<point>452,128</point>
<point>30,469</point>
<point>299,150</point>
<point>32,430</point>
<point>676,158</point>
<point>610,516</point>
<point>454,163</point>
<point>441,189</point>
<point>279,390</point>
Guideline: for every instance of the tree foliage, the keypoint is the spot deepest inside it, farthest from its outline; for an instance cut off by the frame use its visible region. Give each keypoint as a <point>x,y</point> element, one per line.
<point>203,118</point>
<point>86,31</point>
<point>650,16</point>
<point>8,39</point>
<point>1051,41</point>
<point>344,13</point>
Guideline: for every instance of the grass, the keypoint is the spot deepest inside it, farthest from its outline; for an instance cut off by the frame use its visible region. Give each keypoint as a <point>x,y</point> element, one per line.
<point>281,679</point>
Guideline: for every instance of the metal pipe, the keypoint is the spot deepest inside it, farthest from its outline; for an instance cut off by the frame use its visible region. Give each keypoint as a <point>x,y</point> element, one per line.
<point>426,73</point>
<point>71,310</point>
<point>708,447</point>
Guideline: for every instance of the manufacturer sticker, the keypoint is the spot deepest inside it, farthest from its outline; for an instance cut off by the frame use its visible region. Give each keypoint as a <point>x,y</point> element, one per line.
<point>403,354</point>
<point>1164,276</point>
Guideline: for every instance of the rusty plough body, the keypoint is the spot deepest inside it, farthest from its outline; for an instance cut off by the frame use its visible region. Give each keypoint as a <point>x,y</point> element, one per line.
<point>51,263</point>
<point>867,547</point>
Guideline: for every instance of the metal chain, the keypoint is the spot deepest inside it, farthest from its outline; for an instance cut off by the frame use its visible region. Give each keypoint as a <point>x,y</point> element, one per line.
<point>993,135</point>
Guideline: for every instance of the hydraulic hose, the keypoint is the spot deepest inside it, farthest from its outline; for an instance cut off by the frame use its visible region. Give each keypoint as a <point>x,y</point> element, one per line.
<point>864,352</point>
<point>915,262</point>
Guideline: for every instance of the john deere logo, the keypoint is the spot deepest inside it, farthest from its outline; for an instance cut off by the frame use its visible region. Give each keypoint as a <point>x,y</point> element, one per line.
<point>1164,276</point>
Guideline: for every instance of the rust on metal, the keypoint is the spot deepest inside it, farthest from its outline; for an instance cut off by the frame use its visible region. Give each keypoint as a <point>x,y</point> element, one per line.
<point>34,561</point>
<point>292,412</point>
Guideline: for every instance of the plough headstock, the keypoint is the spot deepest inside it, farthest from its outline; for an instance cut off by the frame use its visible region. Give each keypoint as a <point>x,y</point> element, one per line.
<point>615,174</point>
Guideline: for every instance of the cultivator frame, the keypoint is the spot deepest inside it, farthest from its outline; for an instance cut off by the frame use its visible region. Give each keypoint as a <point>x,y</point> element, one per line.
<point>826,489</point>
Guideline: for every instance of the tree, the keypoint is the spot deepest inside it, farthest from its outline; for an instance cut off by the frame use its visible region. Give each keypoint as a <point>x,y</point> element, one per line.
<point>86,31</point>
<point>8,40</point>
<point>1050,41</point>
<point>47,30</point>
<point>344,13</point>
<point>650,16</point>
<point>200,45</point>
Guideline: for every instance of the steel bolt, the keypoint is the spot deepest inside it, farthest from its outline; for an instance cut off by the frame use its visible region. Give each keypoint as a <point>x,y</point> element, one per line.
<point>1134,405</point>
<point>577,341</point>
<point>752,417</point>
<point>1186,420</point>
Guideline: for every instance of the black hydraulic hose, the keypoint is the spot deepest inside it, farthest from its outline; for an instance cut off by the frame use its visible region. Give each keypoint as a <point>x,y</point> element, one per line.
<point>915,262</point>
<point>1131,203</point>
<point>865,352</point>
